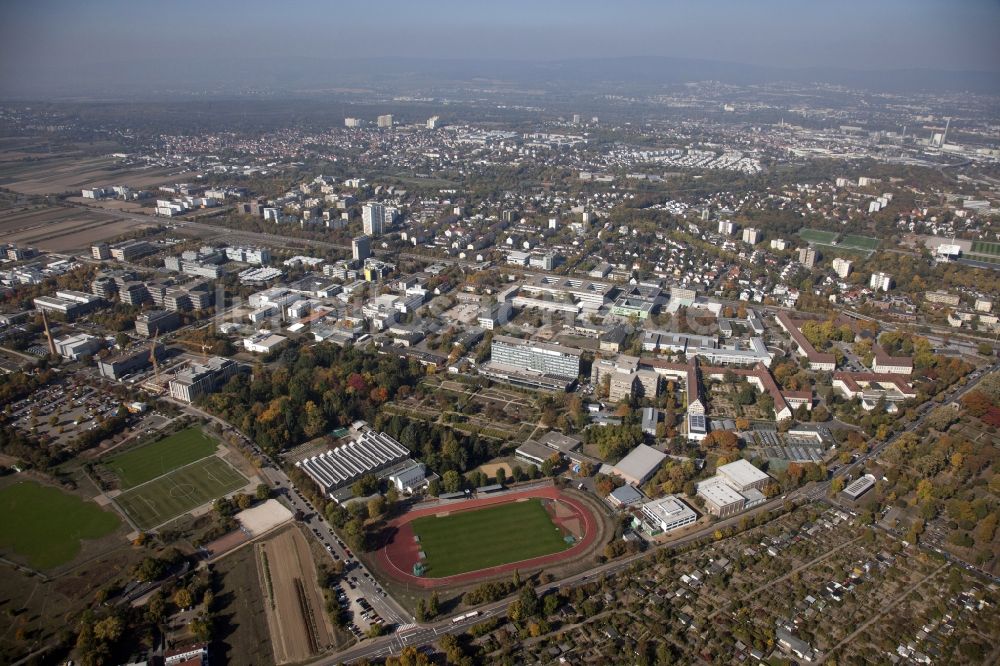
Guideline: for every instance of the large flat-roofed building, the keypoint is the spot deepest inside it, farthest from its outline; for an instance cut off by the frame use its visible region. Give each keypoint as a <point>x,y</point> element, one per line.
<point>625,496</point>
<point>202,378</point>
<point>668,513</point>
<point>721,499</point>
<point>736,354</point>
<point>560,442</point>
<point>156,322</point>
<point>410,478</point>
<point>859,486</point>
<point>942,297</point>
<point>69,303</point>
<point>587,294</point>
<point>264,342</point>
<point>743,476</point>
<point>75,346</point>
<point>640,464</point>
<point>735,487</point>
<point>534,453</point>
<point>249,255</point>
<point>129,361</point>
<point>536,364</point>
<point>491,316</point>
<point>130,250</point>
<point>638,301</point>
<point>369,453</point>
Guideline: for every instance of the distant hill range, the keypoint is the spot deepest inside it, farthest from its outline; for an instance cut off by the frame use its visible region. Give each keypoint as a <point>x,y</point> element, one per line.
<point>231,75</point>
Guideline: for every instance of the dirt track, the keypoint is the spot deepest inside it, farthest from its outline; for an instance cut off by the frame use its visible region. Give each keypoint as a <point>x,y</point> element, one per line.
<point>298,623</point>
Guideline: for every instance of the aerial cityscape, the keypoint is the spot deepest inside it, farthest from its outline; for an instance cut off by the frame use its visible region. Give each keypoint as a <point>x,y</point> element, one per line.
<point>652,334</point>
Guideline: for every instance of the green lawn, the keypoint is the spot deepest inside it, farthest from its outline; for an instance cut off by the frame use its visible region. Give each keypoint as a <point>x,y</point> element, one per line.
<point>985,247</point>
<point>818,236</point>
<point>167,497</point>
<point>859,242</point>
<point>45,525</point>
<point>147,462</point>
<point>473,540</point>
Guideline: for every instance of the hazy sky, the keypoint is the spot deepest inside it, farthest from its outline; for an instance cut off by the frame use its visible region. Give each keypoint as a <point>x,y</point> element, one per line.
<point>46,36</point>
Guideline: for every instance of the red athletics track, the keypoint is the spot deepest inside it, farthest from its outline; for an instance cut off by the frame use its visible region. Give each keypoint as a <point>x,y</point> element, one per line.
<point>397,557</point>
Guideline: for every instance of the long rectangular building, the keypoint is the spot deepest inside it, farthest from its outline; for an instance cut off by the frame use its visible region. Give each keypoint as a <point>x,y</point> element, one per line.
<point>341,466</point>
<point>202,378</point>
<point>137,358</point>
<point>589,295</point>
<point>817,360</point>
<point>536,356</point>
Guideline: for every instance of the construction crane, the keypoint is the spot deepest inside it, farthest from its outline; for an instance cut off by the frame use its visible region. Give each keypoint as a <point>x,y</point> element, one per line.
<point>152,357</point>
<point>48,334</point>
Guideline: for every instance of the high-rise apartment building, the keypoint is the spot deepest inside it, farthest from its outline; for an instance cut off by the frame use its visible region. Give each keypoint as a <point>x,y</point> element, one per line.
<point>752,236</point>
<point>361,248</point>
<point>807,257</point>
<point>880,281</point>
<point>374,219</point>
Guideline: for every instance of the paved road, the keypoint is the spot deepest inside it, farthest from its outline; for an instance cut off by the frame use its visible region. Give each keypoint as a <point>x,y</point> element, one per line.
<point>421,634</point>
<point>354,570</point>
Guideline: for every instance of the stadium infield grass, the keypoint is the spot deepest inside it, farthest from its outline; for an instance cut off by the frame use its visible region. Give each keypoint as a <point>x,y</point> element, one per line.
<point>482,538</point>
<point>167,497</point>
<point>135,467</point>
<point>45,525</point>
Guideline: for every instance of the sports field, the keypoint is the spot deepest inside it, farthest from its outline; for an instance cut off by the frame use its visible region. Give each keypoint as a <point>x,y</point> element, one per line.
<point>45,525</point>
<point>818,236</point>
<point>174,494</point>
<point>147,462</point>
<point>859,242</point>
<point>985,247</point>
<point>473,540</point>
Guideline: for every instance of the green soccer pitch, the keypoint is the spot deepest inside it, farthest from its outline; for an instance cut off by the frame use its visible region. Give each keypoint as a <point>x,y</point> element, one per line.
<point>483,538</point>
<point>167,497</point>
<point>46,525</point>
<point>147,462</point>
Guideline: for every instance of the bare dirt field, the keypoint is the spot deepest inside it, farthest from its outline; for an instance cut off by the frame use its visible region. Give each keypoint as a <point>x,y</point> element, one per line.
<point>243,633</point>
<point>59,229</point>
<point>293,602</point>
<point>491,469</point>
<point>55,174</point>
<point>109,204</point>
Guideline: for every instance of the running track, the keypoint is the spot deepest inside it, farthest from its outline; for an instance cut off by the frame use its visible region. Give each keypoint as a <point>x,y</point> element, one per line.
<point>397,557</point>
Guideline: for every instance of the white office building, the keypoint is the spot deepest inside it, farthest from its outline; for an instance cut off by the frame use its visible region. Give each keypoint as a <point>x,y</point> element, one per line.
<point>668,513</point>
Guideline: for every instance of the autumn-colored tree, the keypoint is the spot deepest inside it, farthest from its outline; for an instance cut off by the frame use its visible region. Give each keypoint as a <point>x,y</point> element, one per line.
<point>976,403</point>
<point>183,598</point>
<point>721,439</point>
